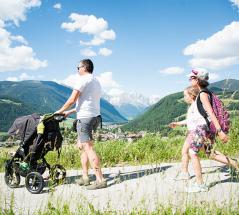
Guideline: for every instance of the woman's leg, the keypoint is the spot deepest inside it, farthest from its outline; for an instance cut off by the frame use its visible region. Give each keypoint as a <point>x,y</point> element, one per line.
<point>218,156</point>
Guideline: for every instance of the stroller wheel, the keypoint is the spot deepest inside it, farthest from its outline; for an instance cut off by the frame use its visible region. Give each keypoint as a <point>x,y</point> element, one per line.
<point>57,174</point>
<point>34,182</point>
<point>12,179</point>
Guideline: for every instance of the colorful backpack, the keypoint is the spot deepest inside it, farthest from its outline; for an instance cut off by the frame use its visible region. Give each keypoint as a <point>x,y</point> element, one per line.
<point>219,110</point>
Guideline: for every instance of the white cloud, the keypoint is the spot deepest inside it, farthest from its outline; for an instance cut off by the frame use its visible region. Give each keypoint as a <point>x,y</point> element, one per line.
<point>96,41</point>
<point>154,99</point>
<point>20,39</point>
<point>106,80</point>
<point>89,24</point>
<point>88,53</point>
<point>2,24</point>
<point>213,76</point>
<point>117,95</point>
<point>113,91</point>
<point>22,77</point>
<point>105,52</point>
<point>12,79</point>
<point>108,35</point>
<point>17,57</point>
<point>214,63</point>
<point>57,6</point>
<point>14,57</point>
<point>70,81</point>
<point>219,51</point>
<point>235,2</point>
<point>172,70</point>
<point>15,10</point>
<point>85,24</point>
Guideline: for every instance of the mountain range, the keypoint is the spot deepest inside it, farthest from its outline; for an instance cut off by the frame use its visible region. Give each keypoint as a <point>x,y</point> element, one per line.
<point>26,97</point>
<point>173,108</point>
<point>129,105</point>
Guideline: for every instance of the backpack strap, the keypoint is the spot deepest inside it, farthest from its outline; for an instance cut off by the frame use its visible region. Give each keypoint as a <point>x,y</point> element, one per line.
<point>200,106</point>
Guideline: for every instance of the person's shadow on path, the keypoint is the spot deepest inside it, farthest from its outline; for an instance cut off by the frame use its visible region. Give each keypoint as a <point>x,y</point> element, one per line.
<point>233,175</point>
<point>120,177</point>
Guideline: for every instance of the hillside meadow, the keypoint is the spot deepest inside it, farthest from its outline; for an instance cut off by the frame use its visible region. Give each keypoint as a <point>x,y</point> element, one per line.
<point>153,148</point>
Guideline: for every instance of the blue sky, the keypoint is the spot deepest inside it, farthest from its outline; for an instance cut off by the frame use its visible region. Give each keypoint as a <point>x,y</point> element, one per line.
<point>147,46</point>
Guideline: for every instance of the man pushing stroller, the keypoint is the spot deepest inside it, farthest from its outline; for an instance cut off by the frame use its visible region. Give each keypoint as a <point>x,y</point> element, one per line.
<point>86,94</point>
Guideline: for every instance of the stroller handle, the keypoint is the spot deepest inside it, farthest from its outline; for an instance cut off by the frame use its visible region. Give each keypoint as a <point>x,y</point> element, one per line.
<point>59,117</point>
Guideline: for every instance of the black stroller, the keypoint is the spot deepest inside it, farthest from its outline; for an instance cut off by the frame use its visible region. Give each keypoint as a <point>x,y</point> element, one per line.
<point>38,135</point>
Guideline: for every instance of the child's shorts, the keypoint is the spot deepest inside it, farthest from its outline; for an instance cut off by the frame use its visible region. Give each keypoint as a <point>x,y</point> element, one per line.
<point>199,138</point>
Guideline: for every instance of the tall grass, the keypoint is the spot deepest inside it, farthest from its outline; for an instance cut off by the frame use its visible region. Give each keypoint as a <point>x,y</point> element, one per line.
<point>162,210</point>
<point>86,208</point>
<point>153,148</point>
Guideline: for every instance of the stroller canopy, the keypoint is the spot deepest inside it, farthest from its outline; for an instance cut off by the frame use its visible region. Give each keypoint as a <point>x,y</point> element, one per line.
<point>24,127</point>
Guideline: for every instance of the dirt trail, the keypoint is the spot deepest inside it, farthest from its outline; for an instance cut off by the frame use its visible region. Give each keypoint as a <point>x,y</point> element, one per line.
<point>138,187</point>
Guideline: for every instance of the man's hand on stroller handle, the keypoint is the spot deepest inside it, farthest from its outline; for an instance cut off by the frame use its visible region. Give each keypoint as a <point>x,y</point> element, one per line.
<point>65,113</point>
<point>59,117</point>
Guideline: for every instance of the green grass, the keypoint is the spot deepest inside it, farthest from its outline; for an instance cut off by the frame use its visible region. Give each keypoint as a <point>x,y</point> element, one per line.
<point>67,123</point>
<point>150,149</point>
<point>163,210</point>
<point>3,136</point>
<point>86,208</point>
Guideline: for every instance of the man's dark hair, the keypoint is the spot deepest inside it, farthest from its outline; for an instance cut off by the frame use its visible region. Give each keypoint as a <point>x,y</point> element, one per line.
<point>88,65</point>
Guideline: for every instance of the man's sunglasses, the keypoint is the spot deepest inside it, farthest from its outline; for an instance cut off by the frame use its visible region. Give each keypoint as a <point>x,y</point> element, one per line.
<point>78,67</point>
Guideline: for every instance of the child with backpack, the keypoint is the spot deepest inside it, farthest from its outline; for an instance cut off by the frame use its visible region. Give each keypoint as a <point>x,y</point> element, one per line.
<point>209,119</point>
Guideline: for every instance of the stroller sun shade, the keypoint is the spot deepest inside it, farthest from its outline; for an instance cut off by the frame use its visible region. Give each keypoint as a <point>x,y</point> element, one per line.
<point>24,127</point>
<point>42,133</point>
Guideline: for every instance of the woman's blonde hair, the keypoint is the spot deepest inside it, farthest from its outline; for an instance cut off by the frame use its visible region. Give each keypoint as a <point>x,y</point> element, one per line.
<point>192,91</point>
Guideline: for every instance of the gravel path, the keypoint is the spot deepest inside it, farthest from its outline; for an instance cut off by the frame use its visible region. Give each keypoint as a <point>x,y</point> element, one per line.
<point>130,188</point>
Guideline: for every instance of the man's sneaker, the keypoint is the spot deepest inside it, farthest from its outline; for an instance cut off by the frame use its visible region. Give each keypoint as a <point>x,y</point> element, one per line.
<point>195,188</point>
<point>83,181</point>
<point>97,185</point>
<point>182,176</point>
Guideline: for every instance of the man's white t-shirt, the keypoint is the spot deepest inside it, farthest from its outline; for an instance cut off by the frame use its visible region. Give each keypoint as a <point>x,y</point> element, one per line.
<point>194,118</point>
<point>88,103</point>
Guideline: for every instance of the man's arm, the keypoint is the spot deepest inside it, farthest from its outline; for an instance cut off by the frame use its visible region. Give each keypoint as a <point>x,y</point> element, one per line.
<point>71,100</point>
<point>69,112</point>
